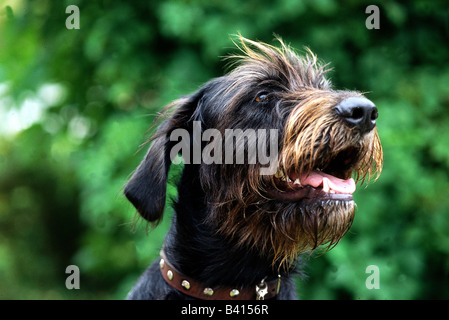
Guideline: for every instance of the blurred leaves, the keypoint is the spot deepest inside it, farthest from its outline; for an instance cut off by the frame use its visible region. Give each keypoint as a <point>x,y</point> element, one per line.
<point>75,107</point>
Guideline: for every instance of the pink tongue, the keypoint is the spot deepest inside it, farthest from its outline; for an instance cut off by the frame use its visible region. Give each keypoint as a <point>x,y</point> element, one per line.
<point>316,179</point>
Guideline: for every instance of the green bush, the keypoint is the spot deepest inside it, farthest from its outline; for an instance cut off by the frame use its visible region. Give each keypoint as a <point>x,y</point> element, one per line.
<point>75,107</point>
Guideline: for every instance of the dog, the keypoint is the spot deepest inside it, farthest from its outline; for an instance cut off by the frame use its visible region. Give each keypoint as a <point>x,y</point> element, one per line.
<point>242,226</point>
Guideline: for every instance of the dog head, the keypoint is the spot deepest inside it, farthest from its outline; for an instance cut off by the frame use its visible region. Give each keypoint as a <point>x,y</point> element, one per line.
<point>276,149</point>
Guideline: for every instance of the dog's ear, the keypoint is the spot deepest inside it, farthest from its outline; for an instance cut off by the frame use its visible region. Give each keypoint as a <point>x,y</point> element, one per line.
<point>146,189</point>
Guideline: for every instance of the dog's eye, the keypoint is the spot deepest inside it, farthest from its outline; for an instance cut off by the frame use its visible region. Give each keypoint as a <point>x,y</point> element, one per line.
<point>262,97</point>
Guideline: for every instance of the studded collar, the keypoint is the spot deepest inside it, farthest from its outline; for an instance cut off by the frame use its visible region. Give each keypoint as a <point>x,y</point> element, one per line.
<point>188,286</point>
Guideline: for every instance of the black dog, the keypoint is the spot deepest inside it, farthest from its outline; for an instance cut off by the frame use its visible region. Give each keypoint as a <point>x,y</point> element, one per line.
<point>269,153</point>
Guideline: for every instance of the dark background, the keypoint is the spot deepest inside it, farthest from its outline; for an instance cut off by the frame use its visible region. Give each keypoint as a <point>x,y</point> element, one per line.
<point>75,106</point>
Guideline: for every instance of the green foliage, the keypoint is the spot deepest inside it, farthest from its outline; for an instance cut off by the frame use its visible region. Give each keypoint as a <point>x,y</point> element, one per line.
<point>75,107</point>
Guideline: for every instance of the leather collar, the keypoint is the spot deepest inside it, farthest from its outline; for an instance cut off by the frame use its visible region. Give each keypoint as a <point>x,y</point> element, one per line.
<point>188,286</point>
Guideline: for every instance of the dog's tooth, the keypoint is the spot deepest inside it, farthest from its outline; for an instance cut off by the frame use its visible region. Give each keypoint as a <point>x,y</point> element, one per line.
<point>331,191</point>
<point>279,174</point>
<point>288,179</point>
<point>297,181</point>
<point>326,185</point>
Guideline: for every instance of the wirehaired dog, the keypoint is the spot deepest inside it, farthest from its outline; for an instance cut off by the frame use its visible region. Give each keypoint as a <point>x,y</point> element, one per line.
<point>239,227</point>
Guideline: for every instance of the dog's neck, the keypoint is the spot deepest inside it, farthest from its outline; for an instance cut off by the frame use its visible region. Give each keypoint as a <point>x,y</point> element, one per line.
<point>196,250</point>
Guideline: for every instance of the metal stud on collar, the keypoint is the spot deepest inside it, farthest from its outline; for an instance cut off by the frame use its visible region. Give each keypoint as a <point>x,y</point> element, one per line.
<point>234,293</point>
<point>208,292</point>
<point>185,284</point>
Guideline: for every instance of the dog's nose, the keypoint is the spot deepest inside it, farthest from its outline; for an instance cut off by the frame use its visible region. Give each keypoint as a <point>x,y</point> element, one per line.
<point>358,112</point>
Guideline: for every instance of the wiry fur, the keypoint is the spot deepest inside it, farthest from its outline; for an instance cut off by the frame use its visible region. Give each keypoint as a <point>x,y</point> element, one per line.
<point>227,228</point>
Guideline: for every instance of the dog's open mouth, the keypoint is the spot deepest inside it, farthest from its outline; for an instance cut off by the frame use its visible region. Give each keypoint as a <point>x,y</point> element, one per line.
<point>329,181</point>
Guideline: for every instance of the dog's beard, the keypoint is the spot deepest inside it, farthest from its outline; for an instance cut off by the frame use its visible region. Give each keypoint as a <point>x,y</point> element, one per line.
<point>243,210</point>
<point>280,230</point>
<point>310,226</point>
